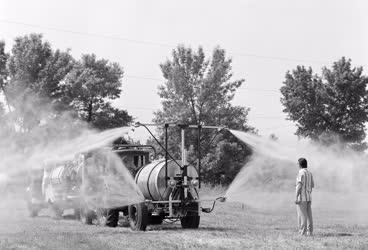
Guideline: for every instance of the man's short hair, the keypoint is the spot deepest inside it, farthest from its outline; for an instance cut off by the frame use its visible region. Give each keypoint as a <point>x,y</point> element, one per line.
<point>303,163</point>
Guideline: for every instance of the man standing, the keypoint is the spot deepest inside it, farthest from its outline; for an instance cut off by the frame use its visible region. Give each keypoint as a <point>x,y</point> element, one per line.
<point>304,185</point>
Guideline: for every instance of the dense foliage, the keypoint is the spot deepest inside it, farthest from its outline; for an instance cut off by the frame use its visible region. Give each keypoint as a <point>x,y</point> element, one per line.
<point>331,107</point>
<point>199,90</point>
<point>41,84</point>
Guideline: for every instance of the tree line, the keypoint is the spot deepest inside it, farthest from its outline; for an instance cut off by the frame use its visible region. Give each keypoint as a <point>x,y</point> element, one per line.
<point>40,84</point>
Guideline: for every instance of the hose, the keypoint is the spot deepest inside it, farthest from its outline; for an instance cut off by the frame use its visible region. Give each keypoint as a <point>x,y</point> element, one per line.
<point>158,142</point>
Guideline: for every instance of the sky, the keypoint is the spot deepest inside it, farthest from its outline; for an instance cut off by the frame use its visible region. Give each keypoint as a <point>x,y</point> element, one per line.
<point>265,39</point>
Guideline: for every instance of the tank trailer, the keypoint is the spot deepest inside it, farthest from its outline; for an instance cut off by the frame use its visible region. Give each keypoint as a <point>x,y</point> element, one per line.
<point>171,186</point>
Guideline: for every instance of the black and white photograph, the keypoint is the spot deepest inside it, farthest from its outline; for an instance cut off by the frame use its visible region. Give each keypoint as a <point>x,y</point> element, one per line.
<point>197,124</point>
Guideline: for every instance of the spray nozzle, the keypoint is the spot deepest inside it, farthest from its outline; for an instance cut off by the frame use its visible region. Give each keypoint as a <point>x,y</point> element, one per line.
<point>221,199</point>
<point>209,210</point>
<point>206,210</point>
<point>137,124</point>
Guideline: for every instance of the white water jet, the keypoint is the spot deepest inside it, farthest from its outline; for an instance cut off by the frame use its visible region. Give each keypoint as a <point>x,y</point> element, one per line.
<point>268,179</point>
<point>17,164</point>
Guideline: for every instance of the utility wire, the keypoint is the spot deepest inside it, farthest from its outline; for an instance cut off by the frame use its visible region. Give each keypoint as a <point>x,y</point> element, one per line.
<point>161,80</point>
<point>150,43</point>
<point>87,33</point>
<point>112,37</point>
<point>252,116</point>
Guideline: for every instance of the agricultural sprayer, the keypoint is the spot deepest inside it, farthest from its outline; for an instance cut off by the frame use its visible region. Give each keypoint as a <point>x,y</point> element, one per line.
<point>170,186</point>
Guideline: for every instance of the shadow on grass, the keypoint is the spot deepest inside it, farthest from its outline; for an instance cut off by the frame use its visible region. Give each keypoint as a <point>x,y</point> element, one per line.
<point>335,235</point>
<point>70,217</point>
<point>179,228</point>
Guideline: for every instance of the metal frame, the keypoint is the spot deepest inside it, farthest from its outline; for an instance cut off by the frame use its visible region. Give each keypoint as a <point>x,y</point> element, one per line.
<point>182,127</point>
<point>183,166</point>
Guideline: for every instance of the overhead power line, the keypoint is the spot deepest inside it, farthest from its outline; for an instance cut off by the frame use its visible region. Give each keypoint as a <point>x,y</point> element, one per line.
<point>260,116</point>
<point>161,80</point>
<point>145,42</point>
<point>87,33</point>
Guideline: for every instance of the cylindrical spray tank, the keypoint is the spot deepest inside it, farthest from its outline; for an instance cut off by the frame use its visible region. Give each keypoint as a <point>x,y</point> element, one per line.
<point>151,178</point>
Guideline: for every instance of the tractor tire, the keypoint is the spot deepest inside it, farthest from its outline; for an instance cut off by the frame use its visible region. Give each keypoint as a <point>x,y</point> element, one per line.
<point>87,216</point>
<point>191,219</point>
<point>112,217</point>
<point>138,217</point>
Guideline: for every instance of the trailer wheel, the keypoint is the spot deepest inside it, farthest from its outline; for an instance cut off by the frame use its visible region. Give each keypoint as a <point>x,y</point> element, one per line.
<point>112,217</point>
<point>86,216</point>
<point>138,217</point>
<point>192,219</point>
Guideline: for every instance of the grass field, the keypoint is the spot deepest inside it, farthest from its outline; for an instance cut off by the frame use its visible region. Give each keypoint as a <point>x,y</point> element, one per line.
<point>229,227</point>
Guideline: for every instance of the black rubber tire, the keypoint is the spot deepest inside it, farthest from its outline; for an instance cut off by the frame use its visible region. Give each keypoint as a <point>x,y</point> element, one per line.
<point>192,219</point>
<point>112,217</point>
<point>87,216</point>
<point>138,217</point>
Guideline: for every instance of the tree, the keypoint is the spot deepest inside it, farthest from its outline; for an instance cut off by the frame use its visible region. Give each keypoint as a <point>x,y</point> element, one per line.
<point>333,105</point>
<point>109,117</point>
<point>2,116</point>
<point>35,73</point>
<point>3,71</point>
<point>198,90</point>
<point>89,85</point>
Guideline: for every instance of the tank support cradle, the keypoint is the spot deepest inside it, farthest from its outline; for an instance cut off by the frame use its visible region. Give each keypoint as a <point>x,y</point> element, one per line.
<point>201,209</point>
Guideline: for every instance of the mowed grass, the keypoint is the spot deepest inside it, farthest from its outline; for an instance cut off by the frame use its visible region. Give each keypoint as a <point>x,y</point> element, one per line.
<point>230,226</point>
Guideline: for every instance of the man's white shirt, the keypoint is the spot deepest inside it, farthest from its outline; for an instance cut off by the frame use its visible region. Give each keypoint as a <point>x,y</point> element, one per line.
<point>305,178</point>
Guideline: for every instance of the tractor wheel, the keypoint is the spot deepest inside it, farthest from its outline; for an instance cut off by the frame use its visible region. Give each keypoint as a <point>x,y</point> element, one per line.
<point>87,216</point>
<point>138,217</point>
<point>191,219</point>
<point>112,217</point>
